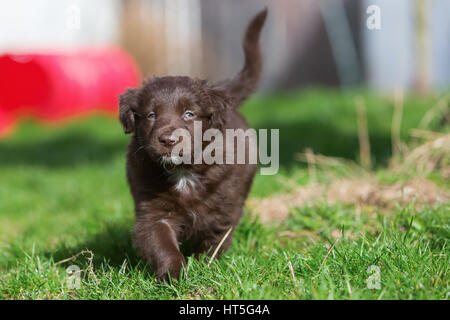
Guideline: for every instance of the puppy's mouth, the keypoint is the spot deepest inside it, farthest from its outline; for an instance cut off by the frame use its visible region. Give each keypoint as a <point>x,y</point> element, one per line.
<point>169,161</point>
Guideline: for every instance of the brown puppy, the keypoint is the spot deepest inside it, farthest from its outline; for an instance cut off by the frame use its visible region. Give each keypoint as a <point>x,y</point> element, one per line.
<point>197,203</point>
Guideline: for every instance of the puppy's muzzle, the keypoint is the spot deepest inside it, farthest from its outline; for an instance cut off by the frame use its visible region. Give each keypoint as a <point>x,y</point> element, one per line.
<point>167,139</point>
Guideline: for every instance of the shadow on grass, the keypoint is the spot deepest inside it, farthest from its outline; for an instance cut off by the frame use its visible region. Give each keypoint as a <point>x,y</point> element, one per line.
<point>61,150</point>
<point>326,139</point>
<point>112,247</point>
<point>80,146</point>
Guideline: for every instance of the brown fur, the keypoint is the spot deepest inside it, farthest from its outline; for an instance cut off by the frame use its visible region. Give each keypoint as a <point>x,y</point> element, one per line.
<point>202,213</point>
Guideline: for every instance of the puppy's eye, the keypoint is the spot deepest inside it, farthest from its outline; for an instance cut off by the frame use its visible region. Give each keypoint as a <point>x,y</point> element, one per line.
<point>151,115</point>
<point>188,115</point>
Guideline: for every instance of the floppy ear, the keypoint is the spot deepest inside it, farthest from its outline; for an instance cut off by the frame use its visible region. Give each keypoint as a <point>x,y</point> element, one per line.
<point>220,104</point>
<point>128,102</point>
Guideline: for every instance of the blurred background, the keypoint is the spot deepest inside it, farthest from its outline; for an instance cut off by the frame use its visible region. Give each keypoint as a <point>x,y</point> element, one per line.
<point>364,72</point>
<point>347,79</point>
<point>359,90</point>
<point>306,42</point>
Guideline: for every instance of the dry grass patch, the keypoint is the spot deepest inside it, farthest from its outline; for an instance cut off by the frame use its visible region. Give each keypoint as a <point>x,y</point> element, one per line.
<point>361,188</point>
<point>361,192</point>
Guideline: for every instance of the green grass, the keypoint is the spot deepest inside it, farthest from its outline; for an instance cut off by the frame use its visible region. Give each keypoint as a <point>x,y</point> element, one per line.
<point>63,190</point>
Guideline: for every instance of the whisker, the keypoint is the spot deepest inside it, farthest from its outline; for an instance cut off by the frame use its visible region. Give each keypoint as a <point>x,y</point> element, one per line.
<point>140,148</point>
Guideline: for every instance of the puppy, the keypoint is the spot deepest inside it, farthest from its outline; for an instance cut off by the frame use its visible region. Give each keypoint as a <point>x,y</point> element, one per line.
<point>194,203</point>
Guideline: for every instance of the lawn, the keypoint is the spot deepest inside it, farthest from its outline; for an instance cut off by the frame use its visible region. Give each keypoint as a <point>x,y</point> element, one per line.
<point>63,192</point>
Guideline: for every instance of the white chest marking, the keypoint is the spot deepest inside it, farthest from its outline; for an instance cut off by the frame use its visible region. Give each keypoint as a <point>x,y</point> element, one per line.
<point>184,181</point>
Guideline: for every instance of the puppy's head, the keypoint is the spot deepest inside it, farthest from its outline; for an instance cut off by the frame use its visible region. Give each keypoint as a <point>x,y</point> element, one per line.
<point>162,105</point>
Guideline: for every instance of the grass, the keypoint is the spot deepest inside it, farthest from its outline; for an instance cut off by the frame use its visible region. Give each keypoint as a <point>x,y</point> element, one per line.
<point>63,190</point>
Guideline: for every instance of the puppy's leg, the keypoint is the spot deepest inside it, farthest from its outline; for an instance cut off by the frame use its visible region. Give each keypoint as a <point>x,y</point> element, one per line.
<point>158,243</point>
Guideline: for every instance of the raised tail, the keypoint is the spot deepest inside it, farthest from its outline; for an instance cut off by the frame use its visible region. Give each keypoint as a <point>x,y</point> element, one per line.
<point>246,81</point>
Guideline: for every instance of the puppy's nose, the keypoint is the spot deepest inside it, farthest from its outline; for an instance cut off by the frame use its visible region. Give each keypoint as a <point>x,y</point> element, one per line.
<point>167,139</point>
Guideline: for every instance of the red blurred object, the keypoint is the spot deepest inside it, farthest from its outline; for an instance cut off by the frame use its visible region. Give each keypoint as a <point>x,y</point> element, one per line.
<point>7,121</point>
<point>57,85</point>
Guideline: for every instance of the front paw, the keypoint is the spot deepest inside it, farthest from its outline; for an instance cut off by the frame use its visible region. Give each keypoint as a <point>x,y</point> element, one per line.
<point>171,270</point>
